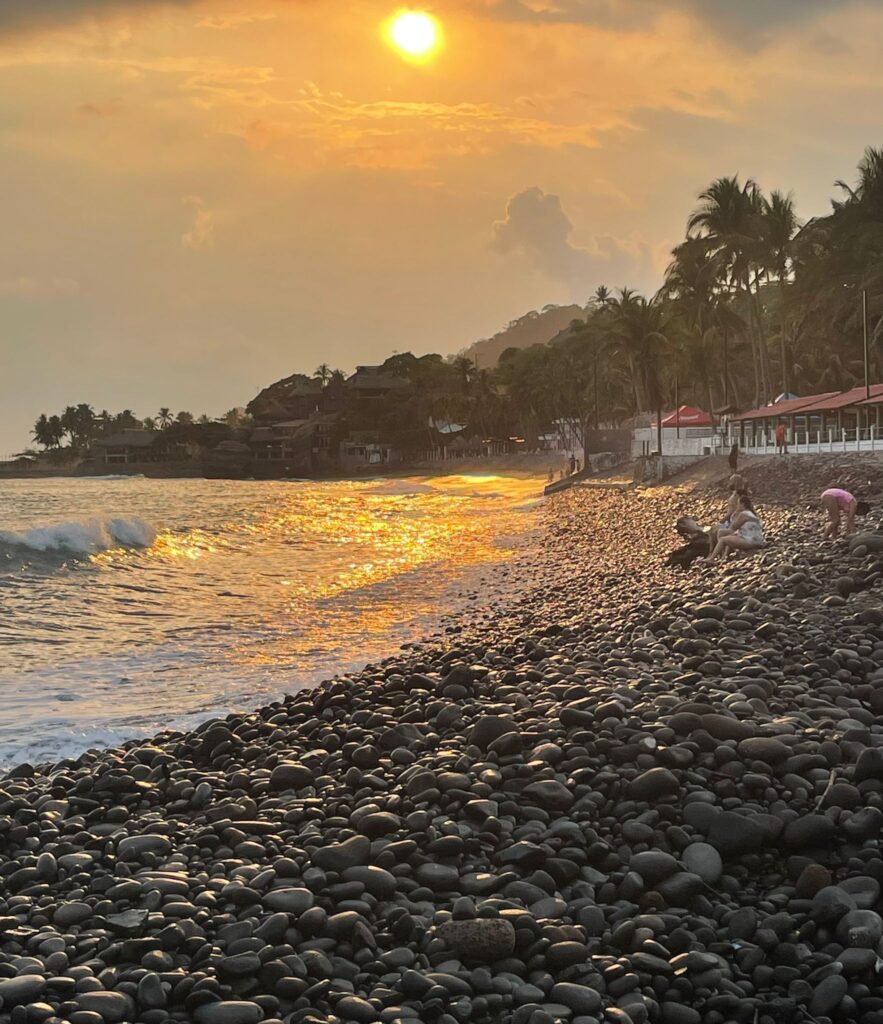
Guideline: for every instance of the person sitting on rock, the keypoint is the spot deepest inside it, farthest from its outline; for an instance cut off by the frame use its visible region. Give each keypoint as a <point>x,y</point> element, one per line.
<point>734,507</point>
<point>737,482</point>
<point>838,502</point>
<point>745,532</point>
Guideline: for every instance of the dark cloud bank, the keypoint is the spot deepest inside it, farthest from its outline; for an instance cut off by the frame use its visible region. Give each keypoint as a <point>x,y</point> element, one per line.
<point>744,22</point>
<point>22,15</point>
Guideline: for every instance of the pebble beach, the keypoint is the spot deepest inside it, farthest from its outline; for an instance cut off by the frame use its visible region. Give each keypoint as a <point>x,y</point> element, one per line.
<point>615,792</point>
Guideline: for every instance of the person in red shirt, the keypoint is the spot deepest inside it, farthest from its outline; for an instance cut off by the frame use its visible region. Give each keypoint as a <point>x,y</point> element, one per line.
<point>781,440</point>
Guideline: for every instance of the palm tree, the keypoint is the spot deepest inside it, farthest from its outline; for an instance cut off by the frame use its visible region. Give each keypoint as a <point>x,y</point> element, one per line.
<point>41,432</point>
<point>729,219</point>
<point>323,373</point>
<point>779,227</point>
<point>56,432</point>
<point>126,420</point>
<point>464,368</point>
<point>165,417</point>
<point>68,421</point>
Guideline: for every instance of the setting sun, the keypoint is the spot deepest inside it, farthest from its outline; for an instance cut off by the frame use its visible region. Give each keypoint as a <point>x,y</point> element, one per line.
<point>414,33</point>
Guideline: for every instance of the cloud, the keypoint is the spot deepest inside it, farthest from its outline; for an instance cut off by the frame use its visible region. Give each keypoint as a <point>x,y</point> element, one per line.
<point>537,228</point>
<point>16,15</point>
<point>26,287</point>
<point>387,133</point>
<point>110,108</point>
<point>202,232</point>
<point>234,19</point>
<point>743,22</point>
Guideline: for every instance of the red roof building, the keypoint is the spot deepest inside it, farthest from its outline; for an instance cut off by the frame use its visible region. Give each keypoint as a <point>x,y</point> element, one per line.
<point>788,407</point>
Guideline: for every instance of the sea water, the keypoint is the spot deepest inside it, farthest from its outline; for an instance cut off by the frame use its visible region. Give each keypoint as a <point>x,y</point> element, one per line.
<point>129,606</point>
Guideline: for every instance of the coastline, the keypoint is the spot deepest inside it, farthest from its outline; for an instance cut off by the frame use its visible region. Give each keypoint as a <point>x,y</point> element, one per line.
<point>624,791</point>
<point>526,464</point>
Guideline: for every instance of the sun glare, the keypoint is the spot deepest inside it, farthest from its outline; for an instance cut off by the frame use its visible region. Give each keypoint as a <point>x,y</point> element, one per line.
<point>414,34</point>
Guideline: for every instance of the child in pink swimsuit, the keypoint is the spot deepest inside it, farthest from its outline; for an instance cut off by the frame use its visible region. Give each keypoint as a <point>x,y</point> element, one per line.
<point>838,502</point>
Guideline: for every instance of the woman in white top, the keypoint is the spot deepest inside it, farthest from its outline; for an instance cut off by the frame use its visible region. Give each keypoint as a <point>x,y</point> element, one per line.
<point>745,532</point>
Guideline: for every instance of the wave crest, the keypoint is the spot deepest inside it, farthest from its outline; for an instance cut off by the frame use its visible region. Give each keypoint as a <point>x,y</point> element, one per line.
<point>85,538</point>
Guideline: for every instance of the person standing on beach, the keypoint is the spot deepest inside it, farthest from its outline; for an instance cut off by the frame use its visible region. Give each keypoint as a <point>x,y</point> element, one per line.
<point>733,458</point>
<point>572,464</point>
<point>838,502</point>
<point>781,440</point>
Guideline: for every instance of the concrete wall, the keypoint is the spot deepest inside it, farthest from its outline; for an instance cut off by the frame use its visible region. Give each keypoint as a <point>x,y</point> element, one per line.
<point>693,441</point>
<point>652,469</point>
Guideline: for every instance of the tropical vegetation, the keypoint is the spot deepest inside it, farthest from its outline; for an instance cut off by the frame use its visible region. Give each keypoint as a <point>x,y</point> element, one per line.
<point>72,432</point>
<point>753,304</point>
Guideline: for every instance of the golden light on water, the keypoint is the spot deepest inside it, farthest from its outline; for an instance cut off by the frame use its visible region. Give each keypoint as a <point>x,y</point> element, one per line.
<point>314,573</point>
<point>415,34</point>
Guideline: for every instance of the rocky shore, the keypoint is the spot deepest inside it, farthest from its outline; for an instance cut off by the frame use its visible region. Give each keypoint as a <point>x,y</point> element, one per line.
<point>632,795</point>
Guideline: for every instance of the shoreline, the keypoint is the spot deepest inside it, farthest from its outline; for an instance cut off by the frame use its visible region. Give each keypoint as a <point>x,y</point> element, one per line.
<point>627,789</point>
<point>529,464</point>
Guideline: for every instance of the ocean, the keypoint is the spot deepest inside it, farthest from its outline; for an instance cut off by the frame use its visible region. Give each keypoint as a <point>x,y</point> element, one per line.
<point>129,606</point>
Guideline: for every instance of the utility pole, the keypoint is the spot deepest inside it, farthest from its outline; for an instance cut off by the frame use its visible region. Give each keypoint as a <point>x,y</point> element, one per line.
<point>865,333</point>
<point>595,367</point>
<point>726,366</point>
<point>677,408</point>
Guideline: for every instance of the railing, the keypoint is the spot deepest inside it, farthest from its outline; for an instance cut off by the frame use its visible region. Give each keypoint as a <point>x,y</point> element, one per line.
<point>697,446</point>
<point>817,442</point>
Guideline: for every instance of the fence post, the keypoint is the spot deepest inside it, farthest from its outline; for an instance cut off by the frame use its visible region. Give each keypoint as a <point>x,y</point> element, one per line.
<point>843,432</point>
<point>873,432</point>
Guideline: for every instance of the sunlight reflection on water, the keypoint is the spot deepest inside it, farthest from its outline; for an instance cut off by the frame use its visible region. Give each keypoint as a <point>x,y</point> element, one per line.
<point>247,591</point>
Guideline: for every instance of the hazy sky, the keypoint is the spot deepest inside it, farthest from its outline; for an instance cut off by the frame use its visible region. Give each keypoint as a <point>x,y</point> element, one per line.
<point>199,197</point>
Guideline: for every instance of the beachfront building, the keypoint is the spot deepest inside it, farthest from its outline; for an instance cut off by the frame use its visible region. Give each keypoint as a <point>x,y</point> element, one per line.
<point>293,398</point>
<point>365,450</point>
<point>124,447</point>
<point>685,431</point>
<point>850,420</point>
<point>372,382</point>
<point>293,447</point>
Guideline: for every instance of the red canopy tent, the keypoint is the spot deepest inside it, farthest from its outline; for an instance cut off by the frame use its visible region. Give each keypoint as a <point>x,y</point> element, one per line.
<point>686,416</point>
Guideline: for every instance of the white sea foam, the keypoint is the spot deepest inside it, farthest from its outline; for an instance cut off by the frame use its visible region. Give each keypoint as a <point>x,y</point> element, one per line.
<point>83,538</point>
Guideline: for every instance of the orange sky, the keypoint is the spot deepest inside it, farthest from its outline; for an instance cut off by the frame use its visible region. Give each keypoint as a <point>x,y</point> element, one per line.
<point>201,196</point>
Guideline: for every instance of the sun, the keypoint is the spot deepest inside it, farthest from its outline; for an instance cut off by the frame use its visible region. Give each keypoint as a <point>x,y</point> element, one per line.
<point>414,34</point>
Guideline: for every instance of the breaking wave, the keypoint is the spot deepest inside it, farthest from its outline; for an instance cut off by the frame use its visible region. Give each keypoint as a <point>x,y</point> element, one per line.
<point>85,538</point>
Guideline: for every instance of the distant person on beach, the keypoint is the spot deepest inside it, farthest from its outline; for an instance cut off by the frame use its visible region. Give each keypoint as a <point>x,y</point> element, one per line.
<point>745,532</point>
<point>551,476</point>
<point>781,440</point>
<point>572,464</point>
<point>838,503</point>
<point>738,484</point>
<point>733,458</point>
